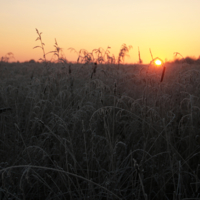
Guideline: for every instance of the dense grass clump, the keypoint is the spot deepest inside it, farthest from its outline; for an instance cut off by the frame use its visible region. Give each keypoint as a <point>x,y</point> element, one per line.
<point>116,132</point>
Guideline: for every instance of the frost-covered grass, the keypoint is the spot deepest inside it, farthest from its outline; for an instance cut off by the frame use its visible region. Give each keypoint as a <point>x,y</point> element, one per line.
<point>118,134</point>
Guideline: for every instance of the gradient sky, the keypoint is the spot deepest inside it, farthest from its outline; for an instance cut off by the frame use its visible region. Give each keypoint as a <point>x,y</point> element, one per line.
<point>165,26</point>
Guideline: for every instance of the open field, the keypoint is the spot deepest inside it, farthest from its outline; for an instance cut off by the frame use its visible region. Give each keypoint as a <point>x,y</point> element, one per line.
<point>67,132</point>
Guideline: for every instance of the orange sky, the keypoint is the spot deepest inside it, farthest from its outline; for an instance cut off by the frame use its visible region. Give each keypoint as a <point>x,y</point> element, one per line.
<point>165,26</point>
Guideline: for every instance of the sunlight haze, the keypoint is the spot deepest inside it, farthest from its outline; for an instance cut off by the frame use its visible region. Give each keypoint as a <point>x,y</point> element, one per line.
<point>164,26</point>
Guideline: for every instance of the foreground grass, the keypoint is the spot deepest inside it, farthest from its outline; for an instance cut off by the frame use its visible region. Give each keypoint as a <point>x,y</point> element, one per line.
<point>118,133</point>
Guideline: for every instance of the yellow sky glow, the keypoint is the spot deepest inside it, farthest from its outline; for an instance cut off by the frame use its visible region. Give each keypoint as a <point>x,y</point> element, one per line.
<point>165,26</point>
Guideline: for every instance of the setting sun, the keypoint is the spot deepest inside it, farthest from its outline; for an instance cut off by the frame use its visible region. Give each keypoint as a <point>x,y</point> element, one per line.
<point>158,62</point>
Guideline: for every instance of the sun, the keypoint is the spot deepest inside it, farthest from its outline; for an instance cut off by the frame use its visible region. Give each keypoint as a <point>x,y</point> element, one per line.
<point>158,62</point>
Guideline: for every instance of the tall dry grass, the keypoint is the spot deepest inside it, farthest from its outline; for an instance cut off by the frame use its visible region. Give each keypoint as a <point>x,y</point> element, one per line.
<point>121,134</point>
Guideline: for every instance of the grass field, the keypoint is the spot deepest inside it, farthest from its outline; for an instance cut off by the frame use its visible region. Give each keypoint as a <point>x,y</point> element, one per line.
<point>69,132</point>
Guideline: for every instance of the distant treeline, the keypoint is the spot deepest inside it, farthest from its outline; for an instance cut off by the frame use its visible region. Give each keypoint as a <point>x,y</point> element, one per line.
<point>187,60</point>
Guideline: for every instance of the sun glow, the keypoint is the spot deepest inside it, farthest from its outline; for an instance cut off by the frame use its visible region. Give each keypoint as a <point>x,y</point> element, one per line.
<point>158,62</point>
